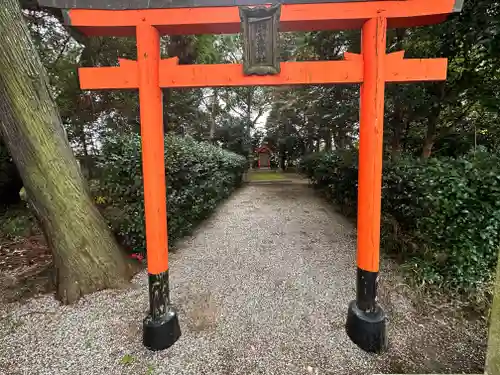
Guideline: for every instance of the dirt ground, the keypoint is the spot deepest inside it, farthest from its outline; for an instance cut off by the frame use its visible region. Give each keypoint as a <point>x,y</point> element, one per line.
<point>25,268</point>
<point>448,340</point>
<point>429,336</point>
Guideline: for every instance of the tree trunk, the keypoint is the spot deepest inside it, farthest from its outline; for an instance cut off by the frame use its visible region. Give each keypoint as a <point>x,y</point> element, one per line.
<point>430,136</point>
<point>328,139</point>
<point>213,123</point>
<point>404,139</point>
<point>493,353</point>
<point>397,134</point>
<point>341,139</point>
<point>427,148</point>
<point>92,48</point>
<point>310,138</point>
<point>86,157</point>
<point>249,120</point>
<point>167,94</point>
<point>86,255</point>
<point>183,47</point>
<point>283,158</point>
<point>309,145</point>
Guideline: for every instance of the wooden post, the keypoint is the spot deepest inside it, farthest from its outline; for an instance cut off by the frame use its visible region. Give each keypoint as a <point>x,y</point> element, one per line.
<point>161,326</point>
<point>370,154</point>
<point>366,319</point>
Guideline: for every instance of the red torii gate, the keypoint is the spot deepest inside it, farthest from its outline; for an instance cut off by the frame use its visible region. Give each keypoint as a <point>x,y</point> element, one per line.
<point>148,19</point>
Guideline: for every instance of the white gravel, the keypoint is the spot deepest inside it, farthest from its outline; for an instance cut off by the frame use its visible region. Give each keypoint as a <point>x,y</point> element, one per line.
<point>261,288</point>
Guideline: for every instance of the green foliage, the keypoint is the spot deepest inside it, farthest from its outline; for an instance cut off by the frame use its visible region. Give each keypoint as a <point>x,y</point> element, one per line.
<point>441,215</point>
<point>198,175</point>
<point>232,135</point>
<point>445,118</point>
<point>266,176</point>
<point>127,359</point>
<point>17,221</point>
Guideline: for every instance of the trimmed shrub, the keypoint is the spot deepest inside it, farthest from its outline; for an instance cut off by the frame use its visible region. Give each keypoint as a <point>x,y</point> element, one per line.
<point>198,175</point>
<point>441,215</point>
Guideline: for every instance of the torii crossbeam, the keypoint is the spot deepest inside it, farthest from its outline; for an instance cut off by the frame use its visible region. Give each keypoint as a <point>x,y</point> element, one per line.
<point>148,19</point>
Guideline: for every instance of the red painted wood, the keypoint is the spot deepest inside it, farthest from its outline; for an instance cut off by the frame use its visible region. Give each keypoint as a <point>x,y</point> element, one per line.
<point>292,73</point>
<point>153,165</point>
<point>294,17</point>
<point>371,134</point>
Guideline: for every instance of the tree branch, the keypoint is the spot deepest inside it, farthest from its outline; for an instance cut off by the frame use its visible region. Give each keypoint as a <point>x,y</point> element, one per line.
<point>68,38</point>
<point>231,108</point>
<point>261,112</point>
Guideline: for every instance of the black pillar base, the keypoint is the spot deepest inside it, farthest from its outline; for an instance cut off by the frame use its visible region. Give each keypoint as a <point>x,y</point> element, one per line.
<point>161,333</point>
<point>367,330</point>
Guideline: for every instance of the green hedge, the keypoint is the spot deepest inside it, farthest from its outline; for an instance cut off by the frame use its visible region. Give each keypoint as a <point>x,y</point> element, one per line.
<point>198,175</point>
<point>442,216</point>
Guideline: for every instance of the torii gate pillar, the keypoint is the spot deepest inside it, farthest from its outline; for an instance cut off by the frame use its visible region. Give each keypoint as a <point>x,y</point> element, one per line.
<point>366,319</point>
<point>161,326</point>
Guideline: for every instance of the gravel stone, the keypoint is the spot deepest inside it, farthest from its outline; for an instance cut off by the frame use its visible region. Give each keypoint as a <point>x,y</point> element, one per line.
<point>262,287</point>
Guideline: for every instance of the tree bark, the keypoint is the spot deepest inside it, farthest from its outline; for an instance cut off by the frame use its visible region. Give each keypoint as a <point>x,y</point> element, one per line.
<point>328,139</point>
<point>249,120</point>
<point>85,157</point>
<point>213,123</point>
<point>397,134</point>
<point>86,255</point>
<point>427,148</point>
<point>493,353</point>
<point>92,48</point>
<point>430,136</point>
<point>283,158</point>
<point>310,138</point>
<point>341,141</point>
<point>167,94</point>
<point>183,47</point>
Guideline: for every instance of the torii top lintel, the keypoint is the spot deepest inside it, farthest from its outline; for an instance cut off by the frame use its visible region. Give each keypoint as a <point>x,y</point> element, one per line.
<point>175,17</point>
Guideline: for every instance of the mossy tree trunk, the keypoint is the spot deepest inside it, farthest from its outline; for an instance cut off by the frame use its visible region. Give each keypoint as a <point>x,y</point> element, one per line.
<point>86,255</point>
<point>493,355</point>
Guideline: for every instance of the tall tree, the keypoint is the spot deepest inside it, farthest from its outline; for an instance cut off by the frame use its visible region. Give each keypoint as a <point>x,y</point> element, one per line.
<point>86,255</point>
<point>444,110</point>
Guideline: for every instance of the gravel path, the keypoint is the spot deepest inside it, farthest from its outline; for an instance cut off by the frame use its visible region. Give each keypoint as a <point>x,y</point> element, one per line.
<point>261,288</point>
